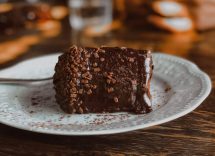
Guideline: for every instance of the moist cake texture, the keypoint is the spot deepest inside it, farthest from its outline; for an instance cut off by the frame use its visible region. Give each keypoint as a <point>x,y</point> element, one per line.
<point>105,79</point>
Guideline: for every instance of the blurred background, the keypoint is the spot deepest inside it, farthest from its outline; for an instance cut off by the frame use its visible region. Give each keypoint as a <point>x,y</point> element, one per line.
<point>30,28</point>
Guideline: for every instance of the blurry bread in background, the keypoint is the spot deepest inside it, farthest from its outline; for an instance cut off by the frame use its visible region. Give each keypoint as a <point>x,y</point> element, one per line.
<point>203,15</point>
<point>174,16</point>
<point>176,24</point>
<point>169,8</point>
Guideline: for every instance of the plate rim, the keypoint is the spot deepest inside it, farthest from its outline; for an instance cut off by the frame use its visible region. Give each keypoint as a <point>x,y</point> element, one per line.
<point>205,79</point>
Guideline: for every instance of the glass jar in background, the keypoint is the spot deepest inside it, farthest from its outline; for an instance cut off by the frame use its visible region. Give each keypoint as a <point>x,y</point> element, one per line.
<point>93,16</point>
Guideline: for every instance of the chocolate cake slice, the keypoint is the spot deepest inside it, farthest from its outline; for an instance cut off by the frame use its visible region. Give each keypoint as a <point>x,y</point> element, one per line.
<point>105,79</point>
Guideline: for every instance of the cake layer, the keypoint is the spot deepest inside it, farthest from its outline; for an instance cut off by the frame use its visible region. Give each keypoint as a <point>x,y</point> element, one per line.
<point>105,79</point>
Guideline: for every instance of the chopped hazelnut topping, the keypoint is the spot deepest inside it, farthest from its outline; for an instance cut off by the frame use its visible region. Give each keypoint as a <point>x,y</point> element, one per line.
<point>80,91</point>
<point>108,81</point>
<point>113,81</point>
<point>75,70</point>
<point>74,110</point>
<point>81,110</point>
<point>89,91</point>
<point>109,77</point>
<point>72,84</point>
<point>87,85</point>
<point>101,50</point>
<point>102,59</point>
<point>74,80</point>
<point>94,86</point>
<point>130,59</point>
<point>84,68</point>
<point>116,99</point>
<point>78,61</point>
<point>84,81</point>
<point>85,74</point>
<point>73,89</point>
<point>73,95</point>
<point>134,82</point>
<point>111,73</point>
<point>95,64</point>
<point>97,69</point>
<point>71,103</point>
<point>105,74</point>
<point>96,55</point>
<point>110,90</point>
<point>87,56</point>
<point>89,77</point>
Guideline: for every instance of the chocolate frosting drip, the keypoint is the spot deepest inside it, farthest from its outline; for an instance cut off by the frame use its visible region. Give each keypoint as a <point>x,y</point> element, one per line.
<point>105,79</point>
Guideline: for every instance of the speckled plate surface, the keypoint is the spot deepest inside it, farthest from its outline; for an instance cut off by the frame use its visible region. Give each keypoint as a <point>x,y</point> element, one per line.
<point>178,87</point>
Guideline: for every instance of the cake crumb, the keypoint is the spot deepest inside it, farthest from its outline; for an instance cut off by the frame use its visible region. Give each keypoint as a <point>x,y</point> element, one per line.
<point>167,89</point>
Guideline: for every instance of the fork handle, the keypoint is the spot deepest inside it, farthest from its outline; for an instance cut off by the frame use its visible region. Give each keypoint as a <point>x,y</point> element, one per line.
<point>21,81</point>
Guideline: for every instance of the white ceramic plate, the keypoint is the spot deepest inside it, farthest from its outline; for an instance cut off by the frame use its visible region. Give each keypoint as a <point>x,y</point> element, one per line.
<point>33,107</point>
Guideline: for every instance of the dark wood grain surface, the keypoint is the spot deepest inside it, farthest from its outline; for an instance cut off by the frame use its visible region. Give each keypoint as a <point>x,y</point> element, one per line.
<point>193,134</point>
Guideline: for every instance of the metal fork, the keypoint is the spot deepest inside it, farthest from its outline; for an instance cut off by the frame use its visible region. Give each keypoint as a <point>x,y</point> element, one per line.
<point>22,81</point>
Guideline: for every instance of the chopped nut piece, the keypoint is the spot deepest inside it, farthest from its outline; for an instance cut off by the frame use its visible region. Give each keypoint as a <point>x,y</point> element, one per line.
<point>134,82</point>
<point>78,61</point>
<point>111,73</point>
<point>97,69</point>
<point>94,86</point>
<point>116,99</point>
<point>96,55</point>
<point>95,64</point>
<point>73,95</point>
<point>75,70</point>
<point>102,51</point>
<point>108,81</point>
<point>86,109</point>
<point>113,81</point>
<point>71,103</point>
<point>87,56</point>
<point>89,77</point>
<point>110,90</point>
<point>130,59</point>
<point>74,80</point>
<point>73,89</point>
<point>84,68</point>
<point>80,91</point>
<point>81,65</point>
<point>81,110</point>
<point>167,89</point>
<point>105,74</point>
<point>109,77</point>
<point>84,81</point>
<point>74,75</point>
<point>85,74</point>
<point>87,85</point>
<point>74,110</point>
<point>102,59</point>
<point>89,91</point>
<point>72,84</point>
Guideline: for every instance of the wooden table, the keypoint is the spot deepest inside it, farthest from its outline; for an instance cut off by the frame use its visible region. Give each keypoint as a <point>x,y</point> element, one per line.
<point>193,134</point>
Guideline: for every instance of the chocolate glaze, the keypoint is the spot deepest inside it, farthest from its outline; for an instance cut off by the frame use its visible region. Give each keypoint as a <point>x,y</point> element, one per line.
<point>105,79</point>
